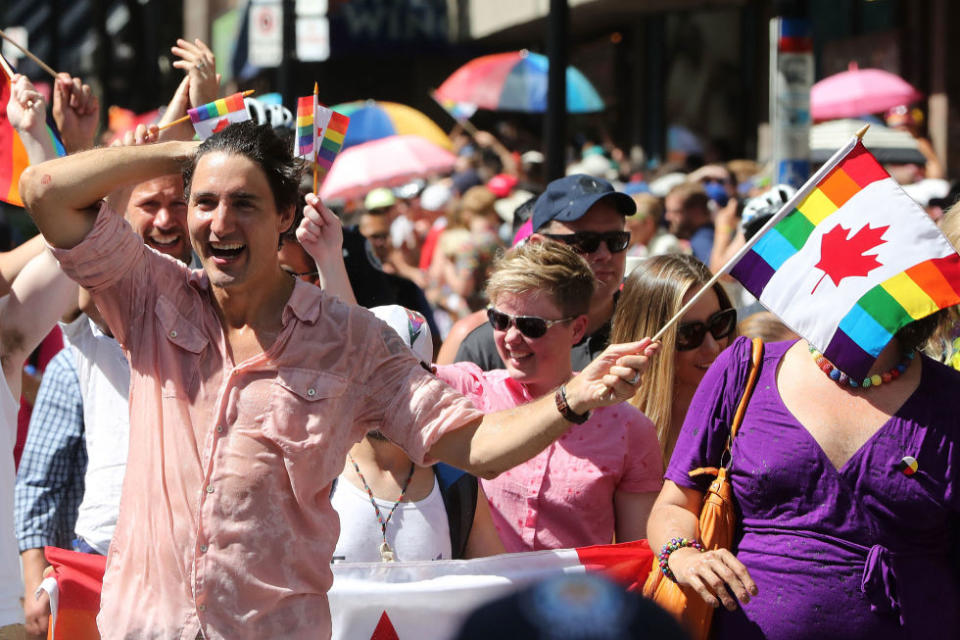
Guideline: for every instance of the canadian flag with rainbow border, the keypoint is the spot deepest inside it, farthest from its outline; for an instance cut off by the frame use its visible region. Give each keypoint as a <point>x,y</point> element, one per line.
<point>849,260</point>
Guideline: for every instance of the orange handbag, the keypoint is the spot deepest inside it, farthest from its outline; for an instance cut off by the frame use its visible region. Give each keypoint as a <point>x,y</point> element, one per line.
<point>718,521</point>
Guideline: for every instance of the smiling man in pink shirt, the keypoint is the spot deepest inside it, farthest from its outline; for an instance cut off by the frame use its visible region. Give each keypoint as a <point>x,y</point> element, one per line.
<point>247,389</point>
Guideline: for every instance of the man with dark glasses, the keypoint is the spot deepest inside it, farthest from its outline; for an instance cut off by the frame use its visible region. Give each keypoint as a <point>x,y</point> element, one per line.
<point>587,214</point>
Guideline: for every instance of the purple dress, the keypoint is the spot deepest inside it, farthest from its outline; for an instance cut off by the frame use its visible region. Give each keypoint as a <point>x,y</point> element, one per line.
<point>859,552</point>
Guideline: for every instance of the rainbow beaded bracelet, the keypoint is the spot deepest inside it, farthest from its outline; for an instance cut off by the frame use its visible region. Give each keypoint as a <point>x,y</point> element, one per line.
<point>672,545</point>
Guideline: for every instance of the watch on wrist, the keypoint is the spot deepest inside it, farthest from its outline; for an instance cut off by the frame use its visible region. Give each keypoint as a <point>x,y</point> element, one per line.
<point>564,408</point>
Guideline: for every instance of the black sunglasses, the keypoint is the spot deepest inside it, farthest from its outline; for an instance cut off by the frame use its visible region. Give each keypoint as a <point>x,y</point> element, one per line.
<point>589,241</point>
<point>530,326</point>
<point>690,335</point>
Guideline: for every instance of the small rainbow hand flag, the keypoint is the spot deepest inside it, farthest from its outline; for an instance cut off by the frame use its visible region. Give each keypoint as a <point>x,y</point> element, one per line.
<point>215,116</point>
<point>320,132</point>
<point>849,260</point>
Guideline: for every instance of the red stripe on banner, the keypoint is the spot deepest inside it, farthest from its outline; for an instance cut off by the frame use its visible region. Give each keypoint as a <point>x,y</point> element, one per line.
<point>80,576</point>
<point>338,122</point>
<point>304,106</point>
<point>862,167</point>
<point>628,563</point>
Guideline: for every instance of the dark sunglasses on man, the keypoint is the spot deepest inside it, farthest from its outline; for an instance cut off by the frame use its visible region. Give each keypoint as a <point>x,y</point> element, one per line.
<point>589,241</point>
<point>530,326</point>
<point>690,335</point>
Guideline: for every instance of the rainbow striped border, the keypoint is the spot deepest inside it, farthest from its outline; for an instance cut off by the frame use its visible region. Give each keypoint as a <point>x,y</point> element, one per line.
<point>217,108</point>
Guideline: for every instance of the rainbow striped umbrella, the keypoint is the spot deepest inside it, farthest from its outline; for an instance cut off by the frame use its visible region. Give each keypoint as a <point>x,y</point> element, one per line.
<point>516,81</point>
<point>376,119</point>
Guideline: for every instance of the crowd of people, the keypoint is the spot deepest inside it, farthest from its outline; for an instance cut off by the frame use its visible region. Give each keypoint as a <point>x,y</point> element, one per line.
<point>255,384</point>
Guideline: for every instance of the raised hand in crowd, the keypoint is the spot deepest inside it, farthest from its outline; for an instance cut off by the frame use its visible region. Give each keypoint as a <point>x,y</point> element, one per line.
<point>76,110</point>
<point>321,236</point>
<point>200,85</point>
<point>26,111</point>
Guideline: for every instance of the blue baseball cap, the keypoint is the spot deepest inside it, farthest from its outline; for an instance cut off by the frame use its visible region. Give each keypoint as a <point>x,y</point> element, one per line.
<point>569,198</point>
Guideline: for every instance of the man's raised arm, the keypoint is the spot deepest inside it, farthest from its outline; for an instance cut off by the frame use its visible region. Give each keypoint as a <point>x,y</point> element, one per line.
<point>62,194</point>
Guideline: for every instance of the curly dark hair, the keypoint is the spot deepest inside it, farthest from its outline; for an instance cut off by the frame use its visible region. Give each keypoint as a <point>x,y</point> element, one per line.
<point>262,146</point>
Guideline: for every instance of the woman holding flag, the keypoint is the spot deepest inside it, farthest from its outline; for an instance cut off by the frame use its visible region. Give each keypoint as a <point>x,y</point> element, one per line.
<point>846,469</point>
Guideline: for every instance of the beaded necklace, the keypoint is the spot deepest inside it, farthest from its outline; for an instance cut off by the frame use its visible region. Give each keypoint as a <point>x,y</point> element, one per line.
<point>386,553</point>
<point>870,381</point>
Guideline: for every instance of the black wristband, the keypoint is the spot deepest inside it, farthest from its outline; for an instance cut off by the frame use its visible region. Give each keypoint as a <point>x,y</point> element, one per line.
<point>564,408</point>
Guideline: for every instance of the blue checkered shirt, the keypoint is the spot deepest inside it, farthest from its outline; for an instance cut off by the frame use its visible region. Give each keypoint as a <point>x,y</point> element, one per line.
<point>50,478</point>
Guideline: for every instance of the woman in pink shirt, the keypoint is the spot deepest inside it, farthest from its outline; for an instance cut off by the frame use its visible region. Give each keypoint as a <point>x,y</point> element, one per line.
<point>595,484</point>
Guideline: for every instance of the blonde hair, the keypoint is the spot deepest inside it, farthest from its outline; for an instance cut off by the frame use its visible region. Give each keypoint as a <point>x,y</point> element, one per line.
<point>767,326</point>
<point>939,344</point>
<point>648,206</point>
<point>652,295</point>
<point>549,268</point>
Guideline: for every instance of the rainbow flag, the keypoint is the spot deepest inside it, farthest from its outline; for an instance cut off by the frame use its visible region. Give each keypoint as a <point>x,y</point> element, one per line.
<point>215,116</point>
<point>306,130</point>
<point>319,135</point>
<point>331,129</point>
<point>13,155</point>
<point>849,260</point>
<point>457,110</point>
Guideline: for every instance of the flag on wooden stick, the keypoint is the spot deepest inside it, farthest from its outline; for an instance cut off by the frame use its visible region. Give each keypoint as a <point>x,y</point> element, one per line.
<point>849,260</point>
<point>319,135</point>
<point>216,116</point>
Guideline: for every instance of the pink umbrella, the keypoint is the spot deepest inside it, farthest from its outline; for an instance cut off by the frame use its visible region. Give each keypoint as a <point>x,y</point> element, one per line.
<point>856,92</point>
<point>386,162</point>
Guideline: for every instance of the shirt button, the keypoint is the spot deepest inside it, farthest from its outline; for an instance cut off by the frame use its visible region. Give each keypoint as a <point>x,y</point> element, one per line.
<point>173,334</point>
<point>209,488</point>
<point>203,548</point>
<point>311,392</point>
<point>219,428</point>
<point>201,607</point>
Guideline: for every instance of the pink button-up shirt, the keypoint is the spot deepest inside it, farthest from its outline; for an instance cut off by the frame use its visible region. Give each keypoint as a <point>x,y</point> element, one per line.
<point>563,497</point>
<point>225,523</point>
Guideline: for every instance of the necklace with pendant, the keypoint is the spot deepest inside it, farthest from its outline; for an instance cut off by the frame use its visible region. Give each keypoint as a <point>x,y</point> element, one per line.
<point>386,553</point>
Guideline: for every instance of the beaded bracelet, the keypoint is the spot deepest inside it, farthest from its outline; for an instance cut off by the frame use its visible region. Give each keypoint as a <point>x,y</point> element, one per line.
<point>672,545</point>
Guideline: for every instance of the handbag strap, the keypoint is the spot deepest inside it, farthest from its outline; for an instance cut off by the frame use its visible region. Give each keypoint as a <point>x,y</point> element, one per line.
<point>756,355</point>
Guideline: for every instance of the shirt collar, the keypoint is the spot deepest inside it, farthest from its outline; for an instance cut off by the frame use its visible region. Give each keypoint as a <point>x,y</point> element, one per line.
<point>304,303</point>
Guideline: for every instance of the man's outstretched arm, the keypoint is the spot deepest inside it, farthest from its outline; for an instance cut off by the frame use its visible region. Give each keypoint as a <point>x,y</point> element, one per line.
<point>504,439</point>
<point>62,194</point>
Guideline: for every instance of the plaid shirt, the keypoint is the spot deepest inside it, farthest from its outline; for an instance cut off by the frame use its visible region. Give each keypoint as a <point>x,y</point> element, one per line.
<point>50,479</point>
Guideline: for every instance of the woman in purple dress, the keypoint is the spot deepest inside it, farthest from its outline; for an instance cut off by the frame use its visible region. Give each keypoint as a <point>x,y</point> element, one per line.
<point>847,496</point>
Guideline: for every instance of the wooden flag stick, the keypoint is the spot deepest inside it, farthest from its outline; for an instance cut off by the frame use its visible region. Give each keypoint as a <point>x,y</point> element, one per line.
<point>315,141</point>
<point>43,65</point>
<point>187,117</point>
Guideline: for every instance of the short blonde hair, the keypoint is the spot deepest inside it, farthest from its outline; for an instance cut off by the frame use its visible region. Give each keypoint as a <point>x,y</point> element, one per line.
<point>648,206</point>
<point>547,268</point>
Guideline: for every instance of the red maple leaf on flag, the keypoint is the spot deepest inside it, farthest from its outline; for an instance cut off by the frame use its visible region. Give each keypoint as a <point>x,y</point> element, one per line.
<point>223,124</point>
<point>841,254</point>
<point>384,630</point>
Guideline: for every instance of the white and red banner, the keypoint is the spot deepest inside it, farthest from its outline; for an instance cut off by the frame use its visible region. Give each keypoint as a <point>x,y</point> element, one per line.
<point>384,601</point>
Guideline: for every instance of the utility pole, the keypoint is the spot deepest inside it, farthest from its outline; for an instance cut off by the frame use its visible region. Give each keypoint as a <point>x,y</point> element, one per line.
<point>555,119</point>
<point>791,77</point>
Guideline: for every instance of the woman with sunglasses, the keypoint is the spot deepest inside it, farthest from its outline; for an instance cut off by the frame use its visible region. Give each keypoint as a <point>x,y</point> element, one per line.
<point>598,481</point>
<point>653,293</point>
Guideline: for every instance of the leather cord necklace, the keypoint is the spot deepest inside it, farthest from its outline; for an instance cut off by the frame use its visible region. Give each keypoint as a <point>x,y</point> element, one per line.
<point>386,553</point>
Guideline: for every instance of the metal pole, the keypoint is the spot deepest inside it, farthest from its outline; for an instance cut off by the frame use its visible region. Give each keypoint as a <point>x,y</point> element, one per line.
<point>791,76</point>
<point>555,120</point>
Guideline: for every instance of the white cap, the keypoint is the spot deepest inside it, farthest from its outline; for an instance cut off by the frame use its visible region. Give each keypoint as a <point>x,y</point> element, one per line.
<point>436,196</point>
<point>412,328</point>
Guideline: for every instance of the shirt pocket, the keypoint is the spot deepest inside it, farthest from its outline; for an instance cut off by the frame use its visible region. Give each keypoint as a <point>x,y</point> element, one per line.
<point>307,407</point>
<point>178,360</point>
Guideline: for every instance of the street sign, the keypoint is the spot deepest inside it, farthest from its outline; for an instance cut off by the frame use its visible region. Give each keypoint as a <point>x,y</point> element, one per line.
<point>313,38</point>
<point>266,33</point>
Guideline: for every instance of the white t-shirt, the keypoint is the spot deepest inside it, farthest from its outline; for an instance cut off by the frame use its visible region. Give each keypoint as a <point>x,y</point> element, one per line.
<point>11,579</point>
<point>417,530</point>
<point>104,376</point>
